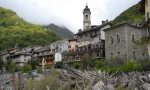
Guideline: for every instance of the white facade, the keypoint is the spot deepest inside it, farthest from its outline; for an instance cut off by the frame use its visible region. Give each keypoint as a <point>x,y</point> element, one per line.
<point>59,46</point>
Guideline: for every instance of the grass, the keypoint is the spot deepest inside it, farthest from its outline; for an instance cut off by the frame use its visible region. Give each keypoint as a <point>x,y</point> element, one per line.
<point>50,80</point>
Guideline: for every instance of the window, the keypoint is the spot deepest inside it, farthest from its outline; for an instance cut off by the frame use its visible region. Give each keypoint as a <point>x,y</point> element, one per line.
<point>111,40</point>
<point>86,35</point>
<point>95,32</point>
<point>86,16</point>
<point>133,38</point>
<point>111,55</point>
<point>118,39</point>
<point>99,38</point>
<point>69,46</point>
<point>87,26</point>
<point>143,53</point>
<point>134,57</point>
<point>147,15</point>
<point>118,54</point>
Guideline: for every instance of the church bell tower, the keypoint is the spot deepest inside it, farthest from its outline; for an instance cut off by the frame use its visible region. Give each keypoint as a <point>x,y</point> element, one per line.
<point>86,18</point>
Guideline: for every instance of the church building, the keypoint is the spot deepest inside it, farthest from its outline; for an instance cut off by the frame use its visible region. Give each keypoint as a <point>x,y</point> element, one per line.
<point>90,40</point>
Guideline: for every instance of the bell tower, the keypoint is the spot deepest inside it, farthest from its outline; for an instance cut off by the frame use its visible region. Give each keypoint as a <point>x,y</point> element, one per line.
<point>86,18</point>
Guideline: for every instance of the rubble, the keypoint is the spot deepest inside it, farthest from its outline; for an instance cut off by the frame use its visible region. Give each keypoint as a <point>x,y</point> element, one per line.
<point>97,80</point>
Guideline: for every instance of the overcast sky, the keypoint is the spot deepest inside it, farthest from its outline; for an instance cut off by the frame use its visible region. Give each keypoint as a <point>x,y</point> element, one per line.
<point>66,13</point>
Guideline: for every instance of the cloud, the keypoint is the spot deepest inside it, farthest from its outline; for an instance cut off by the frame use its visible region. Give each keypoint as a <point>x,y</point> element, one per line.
<point>66,13</point>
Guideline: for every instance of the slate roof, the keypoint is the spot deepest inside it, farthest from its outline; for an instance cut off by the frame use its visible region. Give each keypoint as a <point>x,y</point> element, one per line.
<point>94,28</point>
<point>122,24</point>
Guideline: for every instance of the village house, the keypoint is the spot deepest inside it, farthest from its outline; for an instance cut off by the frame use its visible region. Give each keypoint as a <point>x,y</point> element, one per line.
<point>48,52</point>
<point>20,58</point>
<point>123,41</point>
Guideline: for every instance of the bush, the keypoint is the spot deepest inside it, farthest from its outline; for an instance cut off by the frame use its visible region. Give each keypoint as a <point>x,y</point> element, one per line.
<point>121,66</point>
<point>26,68</point>
<point>11,67</point>
<point>33,63</point>
<point>131,66</point>
<point>77,65</point>
<point>99,64</point>
<point>145,65</point>
<point>39,70</point>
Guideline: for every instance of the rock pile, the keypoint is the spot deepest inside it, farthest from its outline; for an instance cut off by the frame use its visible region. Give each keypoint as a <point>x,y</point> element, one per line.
<point>97,80</point>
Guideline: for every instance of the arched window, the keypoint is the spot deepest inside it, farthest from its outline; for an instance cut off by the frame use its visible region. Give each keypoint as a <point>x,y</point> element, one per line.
<point>111,40</point>
<point>86,16</point>
<point>118,39</point>
<point>133,38</point>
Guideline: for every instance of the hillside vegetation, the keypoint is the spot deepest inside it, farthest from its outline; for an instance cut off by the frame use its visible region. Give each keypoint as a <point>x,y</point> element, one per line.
<point>130,15</point>
<point>14,31</point>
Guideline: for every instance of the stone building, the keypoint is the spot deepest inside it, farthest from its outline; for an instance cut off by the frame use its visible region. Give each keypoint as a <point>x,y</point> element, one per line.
<point>20,58</point>
<point>48,52</point>
<point>123,41</point>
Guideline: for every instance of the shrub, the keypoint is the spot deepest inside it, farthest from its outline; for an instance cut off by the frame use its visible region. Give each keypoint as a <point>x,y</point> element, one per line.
<point>11,67</point>
<point>77,65</point>
<point>26,68</point>
<point>33,63</point>
<point>145,65</point>
<point>39,70</point>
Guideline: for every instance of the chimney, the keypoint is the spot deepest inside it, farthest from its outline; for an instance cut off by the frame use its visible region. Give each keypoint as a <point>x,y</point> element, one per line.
<point>103,22</point>
<point>107,21</point>
<point>79,30</point>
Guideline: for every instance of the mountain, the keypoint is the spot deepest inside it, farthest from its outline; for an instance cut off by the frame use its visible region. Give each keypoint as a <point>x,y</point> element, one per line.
<point>130,15</point>
<point>14,31</point>
<point>61,32</point>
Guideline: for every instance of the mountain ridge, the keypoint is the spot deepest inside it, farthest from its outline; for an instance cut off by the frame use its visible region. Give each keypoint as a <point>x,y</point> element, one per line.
<point>62,32</point>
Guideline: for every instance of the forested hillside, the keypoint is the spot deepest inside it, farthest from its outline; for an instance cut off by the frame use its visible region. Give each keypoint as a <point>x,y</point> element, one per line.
<point>130,15</point>
<point>14,31</point>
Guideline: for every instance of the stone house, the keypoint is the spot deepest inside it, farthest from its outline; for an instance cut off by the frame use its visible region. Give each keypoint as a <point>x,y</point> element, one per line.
<point>123,41</point>
<point>20,58</point>
<point>48,52</point>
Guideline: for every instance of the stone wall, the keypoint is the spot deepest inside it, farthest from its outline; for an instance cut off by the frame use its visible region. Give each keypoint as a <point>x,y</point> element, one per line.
<point>125,49</point>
